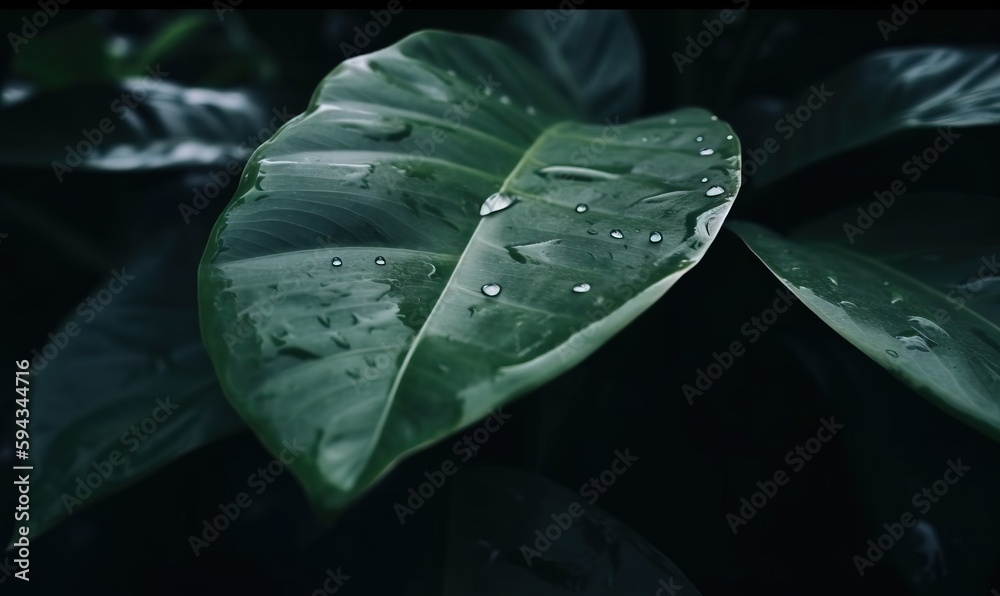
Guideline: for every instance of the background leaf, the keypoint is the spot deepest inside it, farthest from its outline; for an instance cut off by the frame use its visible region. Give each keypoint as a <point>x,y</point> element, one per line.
<point>592,56</point>
<point>910,292</point>
<point>496,511</point>
<point>884,94</point>
<point>364,363</point>
<point>142,346</point>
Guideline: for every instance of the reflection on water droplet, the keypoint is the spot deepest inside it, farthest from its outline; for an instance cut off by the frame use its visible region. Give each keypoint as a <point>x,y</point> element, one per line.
<point>655,236</point>
<point>581,208</point>
<point>380,260</point>
<point>617,234</point>
<point>833,281</point>
<point>491,289</point>
<point>892,353</point>
<point>576,173</point>
<point>846,303</point>
<point>336,262</point>
<point>895,298</point>
<point>581,288</point>
<point>929,327</point>
<point>706,152</point>
<point>531,110</point>
<point>714,117</point>
<point>729,137</point>
<point>704,179</point>
<point>914,342</point>
<point>505,100</point>
<point>714,191</point>
<point>699,139</point>
<point>496,202</point>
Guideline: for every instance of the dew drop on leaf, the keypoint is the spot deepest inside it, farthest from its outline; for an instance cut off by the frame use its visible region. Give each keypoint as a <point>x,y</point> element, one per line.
<point>380,260</point>
<point>617,234</point>
<point>491,289</point>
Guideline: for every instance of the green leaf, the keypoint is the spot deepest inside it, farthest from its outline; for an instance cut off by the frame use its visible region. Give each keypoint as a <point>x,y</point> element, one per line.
<point>366,362</point>
<point>495,513</point>
<point>106,380</point>
<point>917,292</point>
<point>592,56</point>
<point>885,94</point>
<point>169,126</point>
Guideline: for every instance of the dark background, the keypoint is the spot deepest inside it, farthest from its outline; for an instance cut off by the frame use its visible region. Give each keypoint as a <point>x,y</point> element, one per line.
<point>696,461</point>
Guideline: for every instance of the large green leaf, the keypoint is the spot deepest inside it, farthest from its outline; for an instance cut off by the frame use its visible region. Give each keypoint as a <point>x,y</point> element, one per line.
<point>121,359</point>
<point>364,362</point>
<point>884,94</point>
<point>917,292</point>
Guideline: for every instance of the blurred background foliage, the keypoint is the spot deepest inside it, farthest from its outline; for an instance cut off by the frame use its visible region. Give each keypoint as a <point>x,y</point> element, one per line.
<point>226,77</point>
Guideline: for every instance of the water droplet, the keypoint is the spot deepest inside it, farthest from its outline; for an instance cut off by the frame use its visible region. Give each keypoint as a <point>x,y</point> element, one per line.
<point>914,342</point>
<point>380,260</point>
<point>581,288</point>
<point>929,327</point>
<point>576,173</point>
<point>704,179</point>
<point>714,191</point>
<point>706,152</point>
<point>699,139</point>
<point>729,137</point>
<point>531,110</point>
<point>505,100</point>
<point>617,234</point>
<point>496,202</point>
<point>892,353</point>
<point>655,236</point>
<point>714,117</point>
<point>491,289</point>
<point>895,298</point>
<point>833,281</point>
<point>592,232</point>
<point>336,262</point>
<point>581,208</point>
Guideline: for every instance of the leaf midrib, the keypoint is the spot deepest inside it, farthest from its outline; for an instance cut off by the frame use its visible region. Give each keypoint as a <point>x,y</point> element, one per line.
<point>394,390</point>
